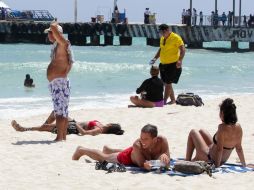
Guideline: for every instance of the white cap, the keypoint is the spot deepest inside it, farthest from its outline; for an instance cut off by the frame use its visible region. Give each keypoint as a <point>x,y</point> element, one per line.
<point>59,28</point>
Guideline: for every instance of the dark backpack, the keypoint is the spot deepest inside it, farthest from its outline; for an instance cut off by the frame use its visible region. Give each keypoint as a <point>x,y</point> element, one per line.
<point>189,99</point>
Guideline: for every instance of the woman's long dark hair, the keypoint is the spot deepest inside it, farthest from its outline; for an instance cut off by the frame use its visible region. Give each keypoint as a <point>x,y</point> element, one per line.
<point>228,109</point>
<point>114,128</point>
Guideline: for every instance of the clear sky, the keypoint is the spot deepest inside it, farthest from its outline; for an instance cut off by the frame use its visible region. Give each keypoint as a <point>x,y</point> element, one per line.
<point>168,11</point>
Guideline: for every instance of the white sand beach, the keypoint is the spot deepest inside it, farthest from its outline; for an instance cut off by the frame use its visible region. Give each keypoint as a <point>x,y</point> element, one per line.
<point>30,160</point>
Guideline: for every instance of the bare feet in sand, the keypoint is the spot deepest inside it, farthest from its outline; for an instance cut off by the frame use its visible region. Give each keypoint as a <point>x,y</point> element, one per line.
<point>17,127</point>
<point>171,102</point>
<point>250,165</point>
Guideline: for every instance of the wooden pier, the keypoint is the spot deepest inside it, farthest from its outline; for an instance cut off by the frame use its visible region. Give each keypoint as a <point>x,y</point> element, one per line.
<point>88,34</point>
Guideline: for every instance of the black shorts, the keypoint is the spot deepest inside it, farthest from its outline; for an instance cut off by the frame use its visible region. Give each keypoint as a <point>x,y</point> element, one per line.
<point>71,129</point>
<point>170,73</point>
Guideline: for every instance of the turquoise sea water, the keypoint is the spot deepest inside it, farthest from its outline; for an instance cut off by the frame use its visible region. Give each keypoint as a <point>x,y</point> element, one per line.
<point>107,76</point>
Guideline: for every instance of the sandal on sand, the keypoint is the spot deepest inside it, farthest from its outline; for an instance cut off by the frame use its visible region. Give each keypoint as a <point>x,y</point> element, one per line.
<point>17,127</point>
<point>110,167</point>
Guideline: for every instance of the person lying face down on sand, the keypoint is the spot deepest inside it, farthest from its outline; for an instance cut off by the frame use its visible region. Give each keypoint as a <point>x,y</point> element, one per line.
<point>93,127</point>
<point>149,146</point>
<point>218,148</point>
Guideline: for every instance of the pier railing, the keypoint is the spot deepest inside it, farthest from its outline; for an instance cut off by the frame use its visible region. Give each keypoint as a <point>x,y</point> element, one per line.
<point>78,33</point>
<point>32,15</point>
<point>208,20</point>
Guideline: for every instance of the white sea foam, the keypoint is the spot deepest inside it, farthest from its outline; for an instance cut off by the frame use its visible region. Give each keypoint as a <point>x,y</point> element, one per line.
<point>106,76</point>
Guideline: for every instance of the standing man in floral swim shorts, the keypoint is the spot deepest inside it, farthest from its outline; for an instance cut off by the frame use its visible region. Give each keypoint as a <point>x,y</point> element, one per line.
<point>58,69</point>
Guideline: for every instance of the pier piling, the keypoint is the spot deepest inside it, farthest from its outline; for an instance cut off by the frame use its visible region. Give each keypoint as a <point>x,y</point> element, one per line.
<point>125,41</point>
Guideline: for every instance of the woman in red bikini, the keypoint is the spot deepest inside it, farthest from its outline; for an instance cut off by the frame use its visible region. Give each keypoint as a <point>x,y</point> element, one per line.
<point>93,127</point>
<point>218,148</point>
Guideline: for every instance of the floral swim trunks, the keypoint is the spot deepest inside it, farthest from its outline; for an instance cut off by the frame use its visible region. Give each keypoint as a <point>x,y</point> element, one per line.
<point>60,92</point>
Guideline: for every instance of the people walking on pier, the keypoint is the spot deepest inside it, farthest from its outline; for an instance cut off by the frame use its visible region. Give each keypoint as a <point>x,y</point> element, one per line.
<point>58,69</point>
<point>171,54</point>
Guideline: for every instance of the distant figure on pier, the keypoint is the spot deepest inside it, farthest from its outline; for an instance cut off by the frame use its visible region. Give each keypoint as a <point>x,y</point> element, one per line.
<point>3,13</point>
<point>251,21</point>
<point>223,18</point>
<point>57,75</point>
<point>212,18</point>
<point>194,17</point>
<point>188,17</point>
<point>116,14</point>
<point>245,21</point>
<point>146,16</point>
<point>201,18</point>
<point>230,18</point>
<point>171,54</point>
<point>151,91</point>
<point>28,81</point>
<point>184,17</point>
<point>216,18</point>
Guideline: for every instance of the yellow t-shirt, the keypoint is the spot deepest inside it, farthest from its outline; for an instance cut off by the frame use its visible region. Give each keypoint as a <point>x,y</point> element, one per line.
<point>169,52</point>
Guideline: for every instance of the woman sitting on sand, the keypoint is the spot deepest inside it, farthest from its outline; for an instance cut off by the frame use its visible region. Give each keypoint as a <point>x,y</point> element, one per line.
<point>218,148</point>
<point>151,91</point>
<point>82,128</point>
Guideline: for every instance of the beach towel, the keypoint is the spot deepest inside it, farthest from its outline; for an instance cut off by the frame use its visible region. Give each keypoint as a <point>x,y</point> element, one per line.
<point>225,168</point>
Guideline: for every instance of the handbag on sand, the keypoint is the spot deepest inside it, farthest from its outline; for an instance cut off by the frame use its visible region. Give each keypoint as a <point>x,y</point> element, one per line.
<point>196,167</point>
<point>189,99</point>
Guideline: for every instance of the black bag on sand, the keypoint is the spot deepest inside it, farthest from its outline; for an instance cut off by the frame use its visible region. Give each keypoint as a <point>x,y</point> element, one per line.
<point>196,167</point>
<point>189,99</point>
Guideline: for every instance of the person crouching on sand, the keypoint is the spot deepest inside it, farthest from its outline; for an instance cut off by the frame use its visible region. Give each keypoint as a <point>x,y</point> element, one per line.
<point>151,91</point>
<point>93,127</point>
<point>218,148</point>
<point>149,146</point>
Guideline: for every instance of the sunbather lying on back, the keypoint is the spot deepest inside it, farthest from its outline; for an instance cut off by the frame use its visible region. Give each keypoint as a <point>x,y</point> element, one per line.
<point>82,128</point>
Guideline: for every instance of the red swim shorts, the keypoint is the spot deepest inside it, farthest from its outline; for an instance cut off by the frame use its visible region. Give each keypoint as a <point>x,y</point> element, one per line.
<point>124,157</point>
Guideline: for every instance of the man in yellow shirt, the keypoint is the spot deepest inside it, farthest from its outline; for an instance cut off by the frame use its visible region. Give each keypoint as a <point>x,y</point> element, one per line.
<point>171,54</point>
